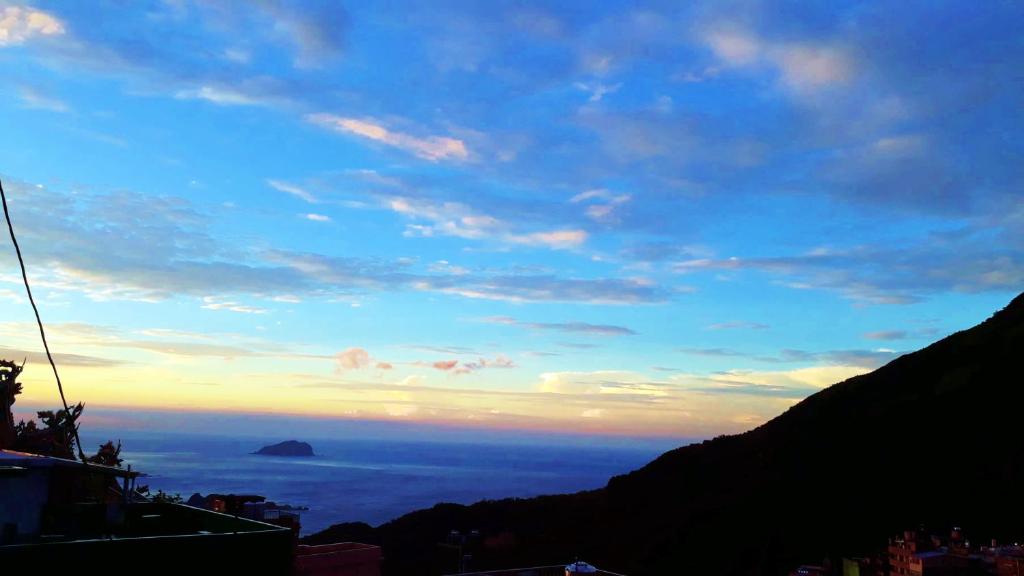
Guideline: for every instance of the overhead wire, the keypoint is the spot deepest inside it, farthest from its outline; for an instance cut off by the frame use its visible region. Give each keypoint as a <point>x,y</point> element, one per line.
<point>39,322</point>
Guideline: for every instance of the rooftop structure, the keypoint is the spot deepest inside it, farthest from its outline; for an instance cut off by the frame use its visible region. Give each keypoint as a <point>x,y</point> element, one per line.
<point>31,483</point>
<point>58,510</point>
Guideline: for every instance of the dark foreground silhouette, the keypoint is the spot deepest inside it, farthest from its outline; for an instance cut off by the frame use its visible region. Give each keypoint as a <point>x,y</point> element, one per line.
<point>935,436</point>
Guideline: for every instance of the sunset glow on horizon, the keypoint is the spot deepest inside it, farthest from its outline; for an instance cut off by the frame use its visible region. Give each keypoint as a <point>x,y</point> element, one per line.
<point>655,221</point>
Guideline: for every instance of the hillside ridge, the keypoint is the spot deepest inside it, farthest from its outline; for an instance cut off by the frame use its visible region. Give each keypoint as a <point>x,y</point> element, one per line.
<point>933,436</point>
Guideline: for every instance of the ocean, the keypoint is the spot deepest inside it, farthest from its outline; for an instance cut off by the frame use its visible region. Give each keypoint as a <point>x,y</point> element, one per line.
<point>370,480</point>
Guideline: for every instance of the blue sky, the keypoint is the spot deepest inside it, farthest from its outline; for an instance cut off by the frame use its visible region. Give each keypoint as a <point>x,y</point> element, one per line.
<point>645,219</point>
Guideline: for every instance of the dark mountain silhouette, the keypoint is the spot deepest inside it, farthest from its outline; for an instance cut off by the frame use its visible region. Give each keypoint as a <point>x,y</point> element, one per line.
<point>935,436</point>
<point>286,448</point>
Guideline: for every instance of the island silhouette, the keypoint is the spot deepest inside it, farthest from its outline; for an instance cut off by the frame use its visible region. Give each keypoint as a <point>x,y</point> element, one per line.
<point>287,448</point>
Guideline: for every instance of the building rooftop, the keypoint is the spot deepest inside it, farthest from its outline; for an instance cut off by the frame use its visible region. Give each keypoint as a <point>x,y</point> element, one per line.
<point>137,532</point>
<point>13,460</point>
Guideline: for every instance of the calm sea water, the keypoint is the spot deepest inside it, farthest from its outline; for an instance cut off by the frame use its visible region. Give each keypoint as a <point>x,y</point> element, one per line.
<point>370,480</point>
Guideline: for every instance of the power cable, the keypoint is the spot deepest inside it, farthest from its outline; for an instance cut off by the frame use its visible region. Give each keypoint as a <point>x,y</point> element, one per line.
<point>39,321</point>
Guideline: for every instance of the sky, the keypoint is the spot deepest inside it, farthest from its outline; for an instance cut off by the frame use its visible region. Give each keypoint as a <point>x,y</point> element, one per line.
<point>637,219</point>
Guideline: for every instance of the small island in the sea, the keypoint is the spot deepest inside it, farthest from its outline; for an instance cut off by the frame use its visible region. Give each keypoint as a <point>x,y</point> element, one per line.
<point>286,448</point>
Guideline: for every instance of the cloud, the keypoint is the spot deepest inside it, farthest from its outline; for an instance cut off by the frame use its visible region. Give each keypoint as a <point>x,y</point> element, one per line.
<point>292,189</point>
<point>506,285</point>
<point>738,325</point>
<point>97,244</point>
<point>592,194</point>
<point>579,345</point>
<point>442,349</point>
<point>574,382</point>
<point>194,349</point>
<point>548,288</point>
<point>19,24</point>
<point>892,274</point>
<point>432,148</point>
<point>551,239</point>
<point>669,404</point>
<point>446,267</point>
<point>725,387</point>
<point>581,327</point>
<point>802,66</point>
<point>34,98</point>
<point>60,358</point>
<point>650,252</point>
<point>462,221</point>
<point>446,219</point>
<point>805,380</point>
<point>714,352</point>
<point>352,359</point>
<point>214,303</point>
<point>858,358</point>
<point>167,342</point>
<point>166,48</point>
<point>218,95</point>
<point>131,246</point>
<point>887,335</point>
<point>318,30</point>
<point>316,217</point>
<point>445,364</point>
<point>597,90</point>
<point>500,361</point>
<point>604,211</point>
<point>634,388</point>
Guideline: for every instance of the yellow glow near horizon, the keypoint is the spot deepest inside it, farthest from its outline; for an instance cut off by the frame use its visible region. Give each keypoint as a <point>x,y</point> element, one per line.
<point>679,406</point>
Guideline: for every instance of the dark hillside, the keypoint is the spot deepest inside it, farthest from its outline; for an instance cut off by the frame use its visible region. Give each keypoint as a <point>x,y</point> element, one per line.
<point>935,436</point>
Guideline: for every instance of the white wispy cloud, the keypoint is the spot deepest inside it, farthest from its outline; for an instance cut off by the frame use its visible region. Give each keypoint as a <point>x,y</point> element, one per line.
<point>317,217</point>
<point>433,148</point>
<point>218,95</point>
<point>215,303</point>
<point>294,190</point>
<point>462,221</point>
<point>602,203</point>
<point>32,97</point>
<point>559,239</point>
<point>597,90</point>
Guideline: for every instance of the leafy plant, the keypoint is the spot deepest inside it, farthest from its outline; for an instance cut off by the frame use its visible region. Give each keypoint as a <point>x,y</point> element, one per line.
<point>108,454</point>
<point>56,434</point>
<point>160,496</point>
